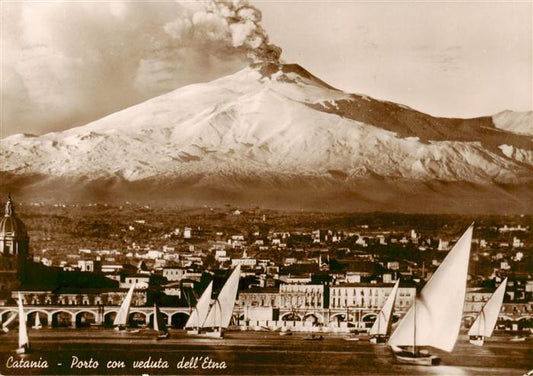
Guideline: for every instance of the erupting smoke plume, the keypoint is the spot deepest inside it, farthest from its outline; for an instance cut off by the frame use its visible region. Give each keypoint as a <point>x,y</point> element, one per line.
<point>66,63</point>
<point>228,23</point>
<point>243,22</point>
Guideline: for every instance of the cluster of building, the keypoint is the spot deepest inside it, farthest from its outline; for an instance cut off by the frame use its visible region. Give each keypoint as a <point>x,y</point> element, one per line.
<point>310,284</point>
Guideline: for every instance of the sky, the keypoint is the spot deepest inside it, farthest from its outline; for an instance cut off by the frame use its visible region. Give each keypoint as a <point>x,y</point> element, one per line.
<point>66,63</point>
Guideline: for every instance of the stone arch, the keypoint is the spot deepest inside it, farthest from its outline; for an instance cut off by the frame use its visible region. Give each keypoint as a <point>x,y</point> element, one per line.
<point>85,318</point>
<point>179,319</point>
<point>291,316</point>
<point>338,317</point>
<point>7,313</point>
<point>369,317</point>
<point>109,317</point>
<point>31,317</point>
<point>62,318</point>
<point>315,318</point>
<point>150,318</point>
<point>41,311</point>
<point>138,318</point>
<point>396,318</point>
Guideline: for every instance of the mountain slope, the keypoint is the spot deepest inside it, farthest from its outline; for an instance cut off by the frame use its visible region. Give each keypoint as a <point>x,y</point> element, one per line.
<point>516,122</point>
<point>275,131</point>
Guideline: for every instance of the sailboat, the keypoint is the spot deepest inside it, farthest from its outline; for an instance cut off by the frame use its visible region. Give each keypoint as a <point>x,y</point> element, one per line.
<point>5,325</point>
<point>382,326</point>
<point>37,324</point>
<point>199,313</point>
<point>220,311</point>
<point>24,342</point>
<point>121,320</point>
<point>434,319</point>
<point>159,324</point>
<point>485,322</point>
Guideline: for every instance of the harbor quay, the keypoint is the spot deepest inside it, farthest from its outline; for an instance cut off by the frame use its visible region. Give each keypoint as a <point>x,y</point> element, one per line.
<point>335,320</point>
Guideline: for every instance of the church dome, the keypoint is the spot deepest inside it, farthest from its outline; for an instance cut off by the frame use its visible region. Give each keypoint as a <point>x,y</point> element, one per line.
<point>10,224</point>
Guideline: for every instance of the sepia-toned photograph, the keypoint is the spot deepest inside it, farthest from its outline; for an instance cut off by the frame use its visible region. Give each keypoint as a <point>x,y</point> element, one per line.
<point>266,187</point>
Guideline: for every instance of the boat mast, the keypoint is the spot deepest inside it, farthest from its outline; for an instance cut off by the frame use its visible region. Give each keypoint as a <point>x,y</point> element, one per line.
<point>220,320</point>
<point>379,323</point>
<point>414,328</point>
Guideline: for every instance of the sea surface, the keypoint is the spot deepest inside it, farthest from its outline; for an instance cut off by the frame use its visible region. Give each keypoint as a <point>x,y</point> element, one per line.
<point>106,352</point>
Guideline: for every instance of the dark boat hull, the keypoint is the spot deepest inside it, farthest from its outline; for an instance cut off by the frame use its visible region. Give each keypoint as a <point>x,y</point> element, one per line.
<point>419,359</point>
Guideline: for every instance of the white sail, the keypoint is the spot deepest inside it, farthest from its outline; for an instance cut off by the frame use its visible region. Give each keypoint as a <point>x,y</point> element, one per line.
<point>198,315</point>
<point>384,320</point>
<point>439,307</point>
<point>220,313</point>
<point>488,316</point>
<point>37,324</point>
<point>23,331</point>
<point>124,311</point>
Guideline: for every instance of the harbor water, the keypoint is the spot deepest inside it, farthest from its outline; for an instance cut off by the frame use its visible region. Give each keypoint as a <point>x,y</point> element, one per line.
<point>107,352</point>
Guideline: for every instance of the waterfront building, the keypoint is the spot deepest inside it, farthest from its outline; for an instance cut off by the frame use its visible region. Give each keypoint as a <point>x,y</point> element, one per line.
<point>301,296</point>
<point>79,297</point>
<point>259,297</point>
<point>369,295</point>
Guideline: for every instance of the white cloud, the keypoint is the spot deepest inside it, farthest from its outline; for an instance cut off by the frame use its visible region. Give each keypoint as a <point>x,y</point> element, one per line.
<point>65,63</point>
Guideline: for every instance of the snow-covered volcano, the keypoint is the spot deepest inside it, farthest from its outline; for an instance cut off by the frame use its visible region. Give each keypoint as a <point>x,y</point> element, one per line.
<point>278,135</point>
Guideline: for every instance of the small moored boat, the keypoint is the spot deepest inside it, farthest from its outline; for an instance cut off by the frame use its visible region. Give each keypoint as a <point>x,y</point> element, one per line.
<point>37,324</point>
<point>121,320</point>
<point>485,322</point>
<point>380,331</point>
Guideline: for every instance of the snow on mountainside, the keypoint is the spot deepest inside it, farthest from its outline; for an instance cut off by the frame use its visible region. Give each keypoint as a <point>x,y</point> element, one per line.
<point>516,122</point>
<point>265,123</point>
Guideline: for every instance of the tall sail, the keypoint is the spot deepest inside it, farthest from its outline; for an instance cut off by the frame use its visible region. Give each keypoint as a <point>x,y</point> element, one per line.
<point>439,307</point>
<point>198,315</point>
<point>383,322</point>
<point>23,331</point>
<point>37,324</point>
<point>486,320</point>
<point>221,311</point>
<point>124,311</point>
<point>159,321</point>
